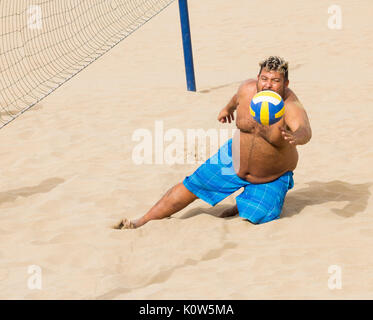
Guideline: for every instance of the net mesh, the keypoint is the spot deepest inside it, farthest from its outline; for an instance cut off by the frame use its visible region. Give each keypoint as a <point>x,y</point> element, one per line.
<point>44,44</point>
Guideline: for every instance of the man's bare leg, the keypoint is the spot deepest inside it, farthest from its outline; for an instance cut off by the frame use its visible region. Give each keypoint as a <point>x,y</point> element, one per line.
<point>175,199</point>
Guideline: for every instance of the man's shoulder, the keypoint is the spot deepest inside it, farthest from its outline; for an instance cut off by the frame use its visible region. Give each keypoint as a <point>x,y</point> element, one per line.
<point>291,100</point>
<point>290,97</point>
<point>293,106</point>
<point>247,87</point>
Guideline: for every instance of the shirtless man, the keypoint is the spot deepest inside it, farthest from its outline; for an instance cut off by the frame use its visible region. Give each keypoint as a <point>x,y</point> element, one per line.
<point>261,158</point>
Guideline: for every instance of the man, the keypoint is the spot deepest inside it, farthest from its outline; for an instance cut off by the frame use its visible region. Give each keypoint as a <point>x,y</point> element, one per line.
<point>261,159</point>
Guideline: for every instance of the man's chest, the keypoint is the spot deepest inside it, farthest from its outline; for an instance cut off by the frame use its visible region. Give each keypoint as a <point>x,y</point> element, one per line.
<point>247,124</point>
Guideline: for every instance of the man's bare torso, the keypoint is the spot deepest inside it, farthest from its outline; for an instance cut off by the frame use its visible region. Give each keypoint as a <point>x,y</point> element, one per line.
<point>260,154</point>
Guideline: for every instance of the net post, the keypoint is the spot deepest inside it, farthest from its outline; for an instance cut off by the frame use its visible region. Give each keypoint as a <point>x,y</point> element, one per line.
<point>187,45</point>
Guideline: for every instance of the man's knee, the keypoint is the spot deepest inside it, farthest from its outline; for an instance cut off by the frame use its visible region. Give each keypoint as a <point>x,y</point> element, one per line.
<point>179,195</point>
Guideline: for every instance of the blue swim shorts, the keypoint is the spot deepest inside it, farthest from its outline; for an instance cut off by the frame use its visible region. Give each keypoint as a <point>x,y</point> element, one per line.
<point>216,179</point>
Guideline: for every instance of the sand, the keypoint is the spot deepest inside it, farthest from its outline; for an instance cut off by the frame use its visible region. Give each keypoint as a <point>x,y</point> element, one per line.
<point>68,174</point>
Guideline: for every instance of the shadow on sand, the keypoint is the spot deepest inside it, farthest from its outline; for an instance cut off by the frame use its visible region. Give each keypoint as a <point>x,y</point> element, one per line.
<point>316,193</point>
<point>207,90</point>
<point>43,187</point>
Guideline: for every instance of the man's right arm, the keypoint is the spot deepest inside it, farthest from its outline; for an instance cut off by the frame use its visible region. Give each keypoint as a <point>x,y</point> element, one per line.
<point>226,114</point>
<point>232,104</point>
<point>244,121</point>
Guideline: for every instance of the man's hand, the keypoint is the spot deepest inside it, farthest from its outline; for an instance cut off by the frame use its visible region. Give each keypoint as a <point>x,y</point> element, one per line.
<point>298,137</point>
<point>296,120</point>
<point>226,116</point>
<point>288,135</point>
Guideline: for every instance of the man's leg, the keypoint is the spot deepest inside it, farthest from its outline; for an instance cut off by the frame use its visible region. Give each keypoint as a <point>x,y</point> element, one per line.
<point>261,203</point>
<point>175,199</point>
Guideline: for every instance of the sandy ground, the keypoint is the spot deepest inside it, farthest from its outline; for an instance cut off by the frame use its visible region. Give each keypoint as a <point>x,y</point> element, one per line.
<point>68,174</point>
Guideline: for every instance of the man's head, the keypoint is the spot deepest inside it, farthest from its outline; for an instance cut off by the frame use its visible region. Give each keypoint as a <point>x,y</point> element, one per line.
<point>273,75</point>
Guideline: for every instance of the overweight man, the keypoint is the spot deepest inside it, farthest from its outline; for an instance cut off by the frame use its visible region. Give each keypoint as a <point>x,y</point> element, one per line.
<point>260,159</point>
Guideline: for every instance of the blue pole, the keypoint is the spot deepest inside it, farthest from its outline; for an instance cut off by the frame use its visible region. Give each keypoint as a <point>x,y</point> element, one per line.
<point>187,45</point>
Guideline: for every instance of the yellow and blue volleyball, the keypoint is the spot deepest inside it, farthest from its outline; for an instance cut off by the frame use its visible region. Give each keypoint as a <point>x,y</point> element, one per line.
<point>267,107</point>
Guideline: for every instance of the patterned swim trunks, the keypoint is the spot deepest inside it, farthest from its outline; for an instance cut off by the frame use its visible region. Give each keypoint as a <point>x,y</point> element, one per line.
<point>216,179</point>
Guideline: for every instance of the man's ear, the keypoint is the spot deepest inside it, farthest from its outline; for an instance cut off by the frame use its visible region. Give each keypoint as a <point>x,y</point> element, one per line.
<point>286,83</point>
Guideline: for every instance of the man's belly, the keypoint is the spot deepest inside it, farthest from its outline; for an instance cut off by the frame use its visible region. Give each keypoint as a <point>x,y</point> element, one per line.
<point>258,161</point>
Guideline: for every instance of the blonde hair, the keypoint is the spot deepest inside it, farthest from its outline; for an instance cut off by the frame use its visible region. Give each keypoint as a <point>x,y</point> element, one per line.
<point>275,63</point>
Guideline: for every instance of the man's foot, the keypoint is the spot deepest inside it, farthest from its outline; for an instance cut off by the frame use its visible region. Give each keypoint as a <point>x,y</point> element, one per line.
<point>229,212</point>
<point>125,224</point>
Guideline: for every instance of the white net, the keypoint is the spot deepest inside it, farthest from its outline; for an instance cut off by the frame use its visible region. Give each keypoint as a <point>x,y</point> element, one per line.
<point>45,43</point>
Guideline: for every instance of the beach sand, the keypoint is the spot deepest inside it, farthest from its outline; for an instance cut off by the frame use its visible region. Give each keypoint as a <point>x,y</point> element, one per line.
<point>68,173</point>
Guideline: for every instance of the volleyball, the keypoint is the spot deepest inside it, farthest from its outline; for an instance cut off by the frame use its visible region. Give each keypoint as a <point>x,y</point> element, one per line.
<point>267,107</point>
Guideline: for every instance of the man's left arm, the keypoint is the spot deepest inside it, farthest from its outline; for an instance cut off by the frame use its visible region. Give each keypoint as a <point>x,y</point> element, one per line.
<point>297,120</point>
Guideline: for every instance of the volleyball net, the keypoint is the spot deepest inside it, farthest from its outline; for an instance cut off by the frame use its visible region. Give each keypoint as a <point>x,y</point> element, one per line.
<point>44,44</point>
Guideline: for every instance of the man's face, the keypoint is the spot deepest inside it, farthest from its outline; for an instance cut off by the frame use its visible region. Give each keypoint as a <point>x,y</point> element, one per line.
<point>272,80</point>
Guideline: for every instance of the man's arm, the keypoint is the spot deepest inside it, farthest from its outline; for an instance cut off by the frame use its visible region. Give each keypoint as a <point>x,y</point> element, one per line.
<point>232,104</point>
<point>297,120</point>
<point>226,114</point>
